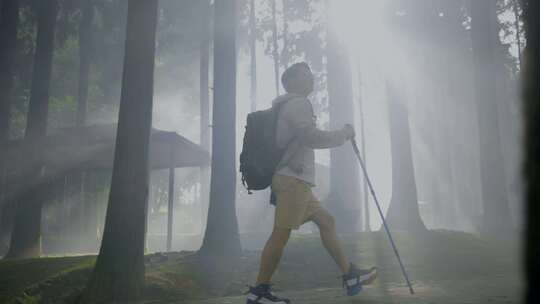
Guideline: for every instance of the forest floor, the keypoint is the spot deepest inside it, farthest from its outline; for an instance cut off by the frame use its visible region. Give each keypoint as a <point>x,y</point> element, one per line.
<point>445,267</point>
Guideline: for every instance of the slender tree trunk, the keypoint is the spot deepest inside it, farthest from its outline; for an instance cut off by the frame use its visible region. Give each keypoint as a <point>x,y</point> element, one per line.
<point>85,51</point>
<point>285,54</point>
<point>26,234</point>
<point>531,167</point>
<point>221,236</point>
<point>365,190</point>
<point>73,204</point>
<point>496,219</point>
<point>79,218</point>
<point>433,194</point>
<point>275,52</point>
<point>515,7</point>
<point>119,270</point>
<point>445,181</point>
<point>9,23</point>
<point>253,55</point>
<point>113,16</point>
<point>344,197</point>
<point>205,106</point>
<point>170,209</point>
<point>91,198</point>
<point>403,212</point>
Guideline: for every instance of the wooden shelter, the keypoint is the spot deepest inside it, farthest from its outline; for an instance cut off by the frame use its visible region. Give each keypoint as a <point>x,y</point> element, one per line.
<point>92,148</point>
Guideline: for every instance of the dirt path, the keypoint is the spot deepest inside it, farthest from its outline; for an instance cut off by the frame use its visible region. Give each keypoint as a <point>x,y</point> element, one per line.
<point>490,290</point>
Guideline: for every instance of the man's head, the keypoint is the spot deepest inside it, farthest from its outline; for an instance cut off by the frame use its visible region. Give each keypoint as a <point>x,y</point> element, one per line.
<point>298,79</point>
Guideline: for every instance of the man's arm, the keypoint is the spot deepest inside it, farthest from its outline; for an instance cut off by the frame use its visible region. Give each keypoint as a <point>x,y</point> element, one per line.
<point>299,116</point>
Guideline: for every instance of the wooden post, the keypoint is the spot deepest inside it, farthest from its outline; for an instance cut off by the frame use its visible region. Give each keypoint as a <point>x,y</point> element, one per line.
<point>170,211</point>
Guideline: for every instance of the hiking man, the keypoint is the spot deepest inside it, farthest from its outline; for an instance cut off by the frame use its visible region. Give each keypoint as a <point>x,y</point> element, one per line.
<point>297,133</point>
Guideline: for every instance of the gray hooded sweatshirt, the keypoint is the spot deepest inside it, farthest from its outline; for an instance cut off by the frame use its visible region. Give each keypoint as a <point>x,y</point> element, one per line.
<point>298,133</point>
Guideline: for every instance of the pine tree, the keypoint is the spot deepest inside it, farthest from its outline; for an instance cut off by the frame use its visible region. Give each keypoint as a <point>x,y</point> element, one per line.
<point>119,270</point>
<point>403,212</point>
<point>9,22</point>
<point>344,198</point>
<point>532,147</point>
<point>204,89</point>
<point>221,235</point>
<point>484,36</point>
<point>26,234</point>
<point>253,55</point>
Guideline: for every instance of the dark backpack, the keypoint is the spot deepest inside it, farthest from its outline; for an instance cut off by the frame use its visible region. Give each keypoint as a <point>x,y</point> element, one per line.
<point>260,155</point>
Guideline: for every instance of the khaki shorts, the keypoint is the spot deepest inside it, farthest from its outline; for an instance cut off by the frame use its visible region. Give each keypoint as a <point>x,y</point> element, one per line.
<point>295,203</point>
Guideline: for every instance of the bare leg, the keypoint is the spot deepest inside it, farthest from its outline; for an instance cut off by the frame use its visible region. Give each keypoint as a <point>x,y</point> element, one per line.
<point>271,254</point>
<point>330,239</point>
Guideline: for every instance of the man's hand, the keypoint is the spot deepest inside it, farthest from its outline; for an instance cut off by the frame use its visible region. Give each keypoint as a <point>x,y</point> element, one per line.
<point>348,130</point>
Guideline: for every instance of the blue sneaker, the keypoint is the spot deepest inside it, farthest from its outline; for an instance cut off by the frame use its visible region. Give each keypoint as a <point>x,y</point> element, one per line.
<point>262,294</point>
<point>356,278</point>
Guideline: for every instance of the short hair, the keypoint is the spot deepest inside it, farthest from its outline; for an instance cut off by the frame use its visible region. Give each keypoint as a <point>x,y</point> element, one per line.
<point>290,73</point>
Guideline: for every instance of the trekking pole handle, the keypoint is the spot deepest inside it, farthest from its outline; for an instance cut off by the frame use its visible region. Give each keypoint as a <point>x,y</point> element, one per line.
<point>376,200</point>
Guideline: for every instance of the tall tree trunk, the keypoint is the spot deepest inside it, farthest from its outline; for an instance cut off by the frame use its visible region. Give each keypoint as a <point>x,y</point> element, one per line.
<point>119,270</point>
<point>113,16</point>
<point>515,8</point>
<point>365,190</point>
<point>403,212</point>
<point>76,177</point>
<point>91,198</point>
<point>275,52</point>
<point>9,23</point>
<point>26,235</point>
<point>221,236</point>
<point>205,105</point>
<point>170,206</point>
<point>496,219</point>
<point>253,56</point>
<point>445,181</point>
<point>285,54</point>
<point>531,167</point>
<point>344,197</point>
<point>85,51</point>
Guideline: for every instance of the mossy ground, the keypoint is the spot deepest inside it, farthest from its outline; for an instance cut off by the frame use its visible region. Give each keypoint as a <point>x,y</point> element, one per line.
<point>445,267</point>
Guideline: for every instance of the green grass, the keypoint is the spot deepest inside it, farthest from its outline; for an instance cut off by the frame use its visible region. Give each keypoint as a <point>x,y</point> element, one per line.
<point>18,277</point>
<point>439,258</point>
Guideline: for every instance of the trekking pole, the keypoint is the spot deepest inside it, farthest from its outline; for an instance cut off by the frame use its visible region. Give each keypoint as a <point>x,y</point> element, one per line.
<point>357,152</point>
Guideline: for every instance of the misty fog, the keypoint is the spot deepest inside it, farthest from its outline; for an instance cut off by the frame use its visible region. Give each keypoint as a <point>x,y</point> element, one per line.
<point>432,89</point>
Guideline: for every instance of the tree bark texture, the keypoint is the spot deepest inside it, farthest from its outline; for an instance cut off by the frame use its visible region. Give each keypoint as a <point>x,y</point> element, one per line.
<point>9,22</point>
<point>221,235</point>
<point>26,234</point>
<point>403,212</point>
<point>119,270</point>
<point>532,148</point>
<point>496,218</point>
<point>205,106</point>
<point>76,177</point>
<point>85,51</point>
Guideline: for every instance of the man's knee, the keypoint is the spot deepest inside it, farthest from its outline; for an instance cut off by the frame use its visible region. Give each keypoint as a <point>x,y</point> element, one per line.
<point>325,222</point>
<point>280,236</point>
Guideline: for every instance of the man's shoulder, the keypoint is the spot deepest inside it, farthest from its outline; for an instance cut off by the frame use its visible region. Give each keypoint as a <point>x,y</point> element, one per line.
<point>297,103</point>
